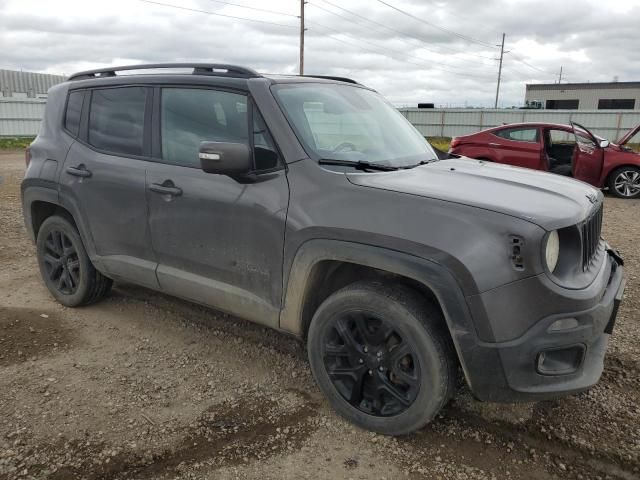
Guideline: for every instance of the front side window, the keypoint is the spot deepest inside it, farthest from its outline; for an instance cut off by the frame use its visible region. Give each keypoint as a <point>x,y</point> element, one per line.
<point>74,110</point>
<point>343,122</point>
<point>519,134</point>
<point>116,120</point>
<point>190,116</point>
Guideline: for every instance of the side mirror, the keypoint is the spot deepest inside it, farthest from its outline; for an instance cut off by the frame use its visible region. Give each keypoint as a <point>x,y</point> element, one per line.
<point>223,158</point>
<point>604,143</point>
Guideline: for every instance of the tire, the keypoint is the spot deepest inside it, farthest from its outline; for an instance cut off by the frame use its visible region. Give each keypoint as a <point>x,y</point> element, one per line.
<point>624,182</point>
<point>416,348</point>
<point>65,266</point>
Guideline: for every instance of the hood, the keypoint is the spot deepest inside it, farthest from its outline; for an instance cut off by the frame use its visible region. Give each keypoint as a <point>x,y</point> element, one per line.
<point>548,200</point>
<point>628,136</point>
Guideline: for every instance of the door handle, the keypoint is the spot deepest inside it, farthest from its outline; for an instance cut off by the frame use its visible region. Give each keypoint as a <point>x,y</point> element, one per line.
<point>494,145</point>
<point>79,171</point>
<point>166,189</point>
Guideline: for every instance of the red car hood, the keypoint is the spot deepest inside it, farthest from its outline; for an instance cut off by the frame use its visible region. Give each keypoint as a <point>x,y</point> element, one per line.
<point>548,200</point>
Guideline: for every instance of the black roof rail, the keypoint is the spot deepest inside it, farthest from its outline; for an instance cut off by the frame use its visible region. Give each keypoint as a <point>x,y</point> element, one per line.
<point>218,69</point>
<point>331,77</point>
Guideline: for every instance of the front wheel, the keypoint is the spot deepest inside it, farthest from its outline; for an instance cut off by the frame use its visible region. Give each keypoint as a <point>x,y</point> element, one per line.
<point>65,266</point>
<point>624,182</point>
<point>382,357</point>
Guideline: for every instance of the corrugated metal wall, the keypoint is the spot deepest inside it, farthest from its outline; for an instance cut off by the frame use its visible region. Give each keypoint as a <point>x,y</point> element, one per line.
<point>26,83</point>
<point>454,122</point>
<point>21,117</point>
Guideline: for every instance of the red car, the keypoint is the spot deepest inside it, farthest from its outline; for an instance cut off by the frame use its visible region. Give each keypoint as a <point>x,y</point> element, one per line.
<point>570,150</point>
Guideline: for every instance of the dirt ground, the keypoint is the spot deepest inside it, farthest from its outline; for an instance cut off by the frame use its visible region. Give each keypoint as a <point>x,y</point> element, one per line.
<point>145,386</point>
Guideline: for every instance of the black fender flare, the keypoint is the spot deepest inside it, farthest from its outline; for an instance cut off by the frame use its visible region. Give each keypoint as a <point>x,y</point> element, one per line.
<point>427,272</point>
<point>34,190</point>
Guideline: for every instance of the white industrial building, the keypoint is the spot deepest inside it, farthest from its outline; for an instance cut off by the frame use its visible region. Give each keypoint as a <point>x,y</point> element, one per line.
<point>584,96</point>
<point>15,84</point>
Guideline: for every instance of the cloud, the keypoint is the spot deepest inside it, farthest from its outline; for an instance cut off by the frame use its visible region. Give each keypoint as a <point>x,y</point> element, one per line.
<point>428,59</point>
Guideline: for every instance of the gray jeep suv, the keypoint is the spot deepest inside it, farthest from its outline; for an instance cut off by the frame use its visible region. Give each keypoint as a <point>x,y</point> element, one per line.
<point>310,205</point>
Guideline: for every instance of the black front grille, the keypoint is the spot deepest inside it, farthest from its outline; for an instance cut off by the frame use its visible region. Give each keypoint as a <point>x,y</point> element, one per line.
<point>591,230</point>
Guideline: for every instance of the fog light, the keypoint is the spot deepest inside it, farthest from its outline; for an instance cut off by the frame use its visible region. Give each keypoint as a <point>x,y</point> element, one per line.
<point>563,324</point>
<point>560,361</point>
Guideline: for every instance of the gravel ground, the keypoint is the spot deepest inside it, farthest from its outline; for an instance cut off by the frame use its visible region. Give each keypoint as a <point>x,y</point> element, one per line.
<point>145,386</point>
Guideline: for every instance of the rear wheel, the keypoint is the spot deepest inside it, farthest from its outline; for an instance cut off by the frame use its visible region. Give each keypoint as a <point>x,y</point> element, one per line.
<point>624,182</point>
<point>381,356</point>
<point>65,266</point>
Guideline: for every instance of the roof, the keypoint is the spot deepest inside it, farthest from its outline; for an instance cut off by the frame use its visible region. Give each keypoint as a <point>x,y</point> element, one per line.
<point>582,86</point>
<point>561,126</point>
<point>198,70</point>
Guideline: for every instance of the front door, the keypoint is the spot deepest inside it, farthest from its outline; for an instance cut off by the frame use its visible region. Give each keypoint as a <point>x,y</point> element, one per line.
<point>218,241</point>
<point>103,181</point>
<point>588,156</point>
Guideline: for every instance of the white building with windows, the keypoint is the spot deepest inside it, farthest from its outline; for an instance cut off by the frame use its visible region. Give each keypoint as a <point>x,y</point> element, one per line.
<point>584,96</point>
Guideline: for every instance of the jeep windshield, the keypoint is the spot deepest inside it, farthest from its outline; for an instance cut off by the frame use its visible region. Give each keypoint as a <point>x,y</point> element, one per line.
<point>346,123</point>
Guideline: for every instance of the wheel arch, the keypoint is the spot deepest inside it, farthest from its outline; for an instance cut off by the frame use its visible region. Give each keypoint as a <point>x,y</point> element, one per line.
<point>39,203</point>
<point>321,267</point>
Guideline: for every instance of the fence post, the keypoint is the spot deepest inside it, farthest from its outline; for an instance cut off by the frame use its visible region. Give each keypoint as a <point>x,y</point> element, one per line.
<point>481,120</point>
<point>618,127</point>
<point>442,123</point>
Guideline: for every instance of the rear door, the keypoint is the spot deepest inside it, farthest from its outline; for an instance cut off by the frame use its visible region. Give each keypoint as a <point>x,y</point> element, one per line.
<point>588,156</point>
<point>103,180</point>
<point>519,146</point>
<point>218,241</point>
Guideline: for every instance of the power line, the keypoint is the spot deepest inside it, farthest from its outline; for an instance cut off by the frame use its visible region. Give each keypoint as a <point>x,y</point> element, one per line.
<point>378,49</point>
<point>451,32</point>
<point>256,9</point>
<point>398,32</point>
<point>529,65</point>
<point>407,54</point>
<point>217,14</point>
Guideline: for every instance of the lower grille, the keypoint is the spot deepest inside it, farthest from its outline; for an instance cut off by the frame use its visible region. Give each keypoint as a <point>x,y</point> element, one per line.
<point>591,230</point>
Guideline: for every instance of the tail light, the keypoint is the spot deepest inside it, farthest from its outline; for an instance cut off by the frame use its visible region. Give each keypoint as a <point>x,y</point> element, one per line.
<point>27,156</point>
<point>455,142</point>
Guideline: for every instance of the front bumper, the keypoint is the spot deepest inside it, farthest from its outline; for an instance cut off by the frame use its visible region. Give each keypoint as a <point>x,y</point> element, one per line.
<point>515,370</point>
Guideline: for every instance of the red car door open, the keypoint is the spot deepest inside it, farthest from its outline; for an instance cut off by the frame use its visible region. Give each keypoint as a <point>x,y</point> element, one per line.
<point>588,156</point>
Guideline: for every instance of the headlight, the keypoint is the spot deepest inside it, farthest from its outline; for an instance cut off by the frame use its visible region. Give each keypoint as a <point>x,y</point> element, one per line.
<point>552,250</point>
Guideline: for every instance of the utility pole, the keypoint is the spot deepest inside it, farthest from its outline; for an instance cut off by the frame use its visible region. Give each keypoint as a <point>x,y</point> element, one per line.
<point>499,72</point>
<point>560,77</point>
<point>302,2</point>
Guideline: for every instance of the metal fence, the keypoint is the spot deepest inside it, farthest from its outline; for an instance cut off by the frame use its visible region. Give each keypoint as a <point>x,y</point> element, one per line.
<point>20,117</point>
<point>454,122</point>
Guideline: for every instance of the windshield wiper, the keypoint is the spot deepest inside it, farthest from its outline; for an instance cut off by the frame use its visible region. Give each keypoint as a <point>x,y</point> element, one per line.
<point>359,165</point>
<point>423,162</point>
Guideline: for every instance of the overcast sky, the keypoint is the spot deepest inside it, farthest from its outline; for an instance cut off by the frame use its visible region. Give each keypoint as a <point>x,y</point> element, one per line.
<point>444,54</point>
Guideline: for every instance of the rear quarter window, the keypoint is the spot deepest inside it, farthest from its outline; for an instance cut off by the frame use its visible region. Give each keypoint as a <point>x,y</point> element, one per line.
<point>73,112</point>
<point>518,134</point>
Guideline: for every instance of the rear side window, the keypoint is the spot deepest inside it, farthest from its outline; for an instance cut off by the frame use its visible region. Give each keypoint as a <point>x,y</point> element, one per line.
<point>72,115</point>
<point>190,116</point>
<point>116,120</point>
<point>519,134</point>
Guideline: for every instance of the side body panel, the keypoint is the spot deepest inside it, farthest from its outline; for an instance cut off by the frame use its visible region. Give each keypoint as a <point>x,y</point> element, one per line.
<point>325,205</point>
<point>112,205</point>
<point>517,153</point>
<point>220,242</point>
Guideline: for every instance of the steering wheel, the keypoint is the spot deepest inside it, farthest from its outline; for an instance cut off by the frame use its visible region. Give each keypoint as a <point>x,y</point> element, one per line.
<point>344,146</point>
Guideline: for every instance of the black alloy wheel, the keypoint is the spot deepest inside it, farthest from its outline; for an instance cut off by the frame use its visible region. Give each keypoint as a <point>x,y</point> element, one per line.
<point>61,262</point>
<point>382,355</point>
<point>372,366</point>
<point>65,266</point>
